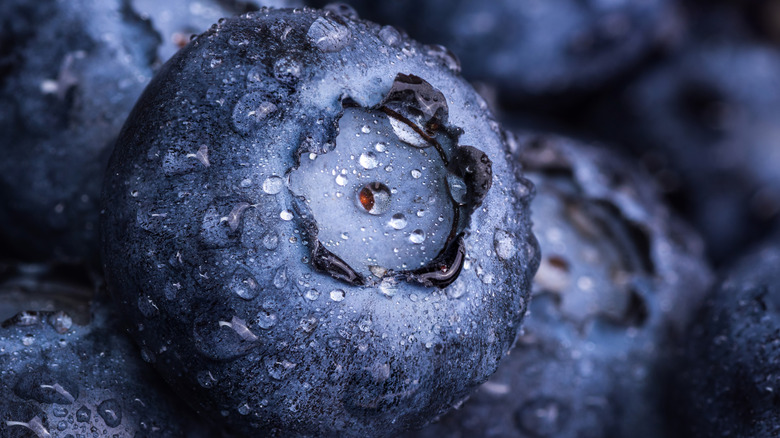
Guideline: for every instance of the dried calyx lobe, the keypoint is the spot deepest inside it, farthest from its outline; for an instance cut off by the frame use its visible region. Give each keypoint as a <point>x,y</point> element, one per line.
<point>393,198</point>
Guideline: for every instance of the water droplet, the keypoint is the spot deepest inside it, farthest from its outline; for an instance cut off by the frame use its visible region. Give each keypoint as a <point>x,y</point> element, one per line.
<point>337,295</point>
<point>244,409</point>
<point>273,184</point>
<point>206,379</point>
<point>416,173</point>
<point>389,35</point>
<point>374,198</point>
<point>61,322</point>
<point>111,412</point>
<point>504,244</point>
<point>278,369</point>
<point>28,340</point>
<point>380,147</point>
<point>309,324</point>
<point>244,284</point>
<point>270,240</point>
<point>368,160</point>
<point>341,180</point>
<point>287,69</point>
<point>364,325</point>
<point>83,415</point>
<point>458,188</point>
<point>329,35</point>
<point>280,277</point>
<point>417,236</point>
<point>311,294</point>
<point>286,215</point>
<point>398,221</point>
<point>266,319</point>
<point>407,134</point>
<point>445,56</point>
<point>251,110</point>
<point>342,9</point>
<point>365,129</point>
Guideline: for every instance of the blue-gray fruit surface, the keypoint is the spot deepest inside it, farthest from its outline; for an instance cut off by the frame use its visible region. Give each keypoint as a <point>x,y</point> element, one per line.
<point>70,72</point>
<point>618,280</point>
<point>312,226</point>
<point>728,382</point>
<point>64,378</point>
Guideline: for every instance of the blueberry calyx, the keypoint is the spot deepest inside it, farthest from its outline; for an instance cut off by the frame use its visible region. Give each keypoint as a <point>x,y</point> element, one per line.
<point>403,194</point>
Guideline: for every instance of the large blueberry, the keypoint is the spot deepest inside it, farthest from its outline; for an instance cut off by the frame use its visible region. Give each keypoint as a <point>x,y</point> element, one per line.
<point>728,383</point>
<point>312,225</point>
<point>618,279</point>
<point>67,374</point>
<point>70,72</point>
<point>532,49</point>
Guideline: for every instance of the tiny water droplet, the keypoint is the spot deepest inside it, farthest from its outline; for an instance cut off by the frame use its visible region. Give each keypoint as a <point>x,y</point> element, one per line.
<point>398,221</point>
<point>266,319</point>
<point>368,160</point>
<point>280,277</point>
<point>270,240</point>
<point>417,236</point>
<point>311,294</point>
<point>337,295</point>
<point>273,184</point>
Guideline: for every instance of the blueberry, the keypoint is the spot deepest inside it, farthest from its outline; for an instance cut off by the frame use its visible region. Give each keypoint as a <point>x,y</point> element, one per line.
<point>728,378</point>
<point>704,122</point>
<point>69,75</point>
<point>532,49</point>
<point>313,220</point>
<point>618,281</point>
<point>67,374</point>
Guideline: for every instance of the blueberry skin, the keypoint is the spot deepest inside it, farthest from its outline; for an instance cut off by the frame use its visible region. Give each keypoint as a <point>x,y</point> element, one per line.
<point>207,248</point>
<point>534,50</point>
<point>70,73</point>
<point>728,376</point>
<point>65,379</point>
<point>618,281</point>
<point>705,121</point>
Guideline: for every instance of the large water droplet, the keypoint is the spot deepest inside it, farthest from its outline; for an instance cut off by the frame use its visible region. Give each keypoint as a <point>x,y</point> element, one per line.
<point>374,198</point>
<point>329,35</point>
<point>337,295</point>
<point>273,184</point>
<point>286,215</point>
<point>341,180</point>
